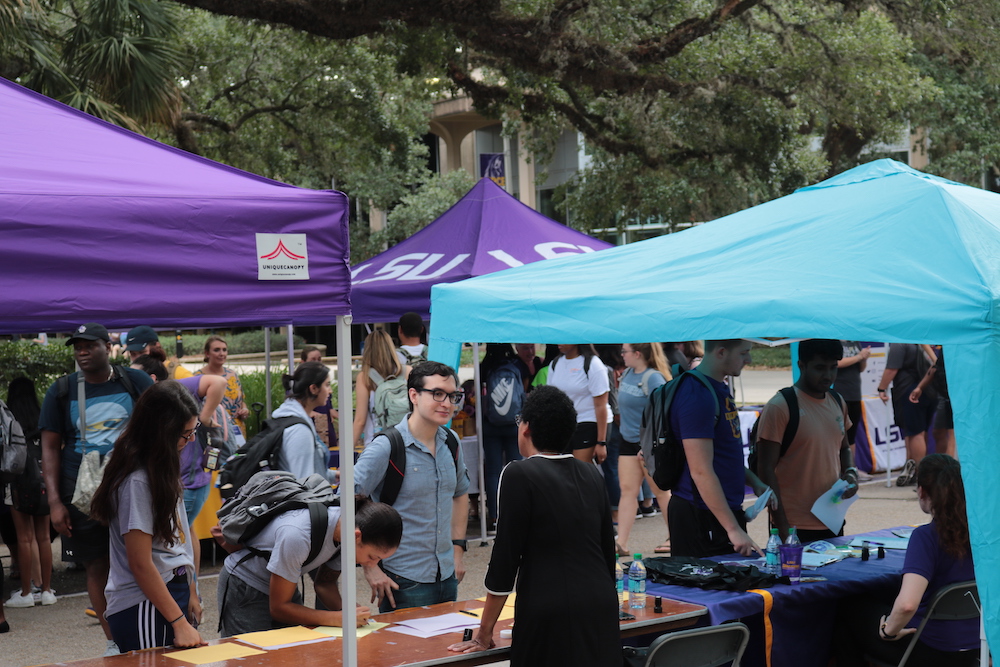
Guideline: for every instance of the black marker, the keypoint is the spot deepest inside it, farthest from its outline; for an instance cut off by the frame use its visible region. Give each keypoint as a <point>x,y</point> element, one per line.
<point>658,605</point>
<point>470,613</point>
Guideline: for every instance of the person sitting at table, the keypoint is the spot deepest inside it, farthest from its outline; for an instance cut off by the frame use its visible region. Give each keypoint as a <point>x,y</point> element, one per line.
<point>257,591</point>
<point>555,538</point>
<point>938,554</point>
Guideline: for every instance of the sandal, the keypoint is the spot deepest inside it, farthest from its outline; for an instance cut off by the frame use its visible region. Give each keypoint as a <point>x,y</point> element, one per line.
<point>622,551</point>
<point>663,548</point>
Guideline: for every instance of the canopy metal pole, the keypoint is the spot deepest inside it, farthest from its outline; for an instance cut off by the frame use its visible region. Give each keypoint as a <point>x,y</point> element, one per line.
<point>346,410</point>
<point>291,349</point>
<point>267,372</point>
<point>480,404</point>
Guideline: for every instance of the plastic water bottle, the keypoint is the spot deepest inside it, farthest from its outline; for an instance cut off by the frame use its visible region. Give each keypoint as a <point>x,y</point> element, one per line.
<point>637,583</point>
<point>619,582</point>
<point>794,573</point>
<point>772,553</point>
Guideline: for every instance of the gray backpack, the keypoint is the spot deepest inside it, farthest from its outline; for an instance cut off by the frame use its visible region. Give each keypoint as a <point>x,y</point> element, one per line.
<point>392,402</point>
<point>270,493</point>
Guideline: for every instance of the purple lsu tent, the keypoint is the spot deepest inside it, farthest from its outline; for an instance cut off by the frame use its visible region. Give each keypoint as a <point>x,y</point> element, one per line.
<point>485,231</point>
<point>98,223</point>
<point>102,224</point>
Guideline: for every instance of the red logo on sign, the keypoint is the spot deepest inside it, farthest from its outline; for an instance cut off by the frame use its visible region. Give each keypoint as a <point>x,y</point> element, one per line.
<point>282,250</point>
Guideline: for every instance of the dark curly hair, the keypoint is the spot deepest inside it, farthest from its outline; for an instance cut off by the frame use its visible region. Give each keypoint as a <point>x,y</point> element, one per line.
<point>551,417</point>
<point>940,476</point>
<point>824,348</point>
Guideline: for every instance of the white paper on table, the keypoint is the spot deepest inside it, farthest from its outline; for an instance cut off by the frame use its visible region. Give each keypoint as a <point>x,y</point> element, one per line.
<point>830,513</point>
<point>759,506</point>
<point>403,630</point>
<point>887,542</point>
<point>446,622</point>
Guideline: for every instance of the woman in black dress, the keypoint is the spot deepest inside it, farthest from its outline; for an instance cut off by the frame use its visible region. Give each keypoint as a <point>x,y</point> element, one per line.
<point>555,538</point>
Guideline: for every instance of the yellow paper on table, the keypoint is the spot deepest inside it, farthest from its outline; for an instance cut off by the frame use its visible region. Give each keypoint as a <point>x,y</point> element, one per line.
<point>363,631</point>
<point>508,603</point>
<point>281,637</point>
<point>217,653</point>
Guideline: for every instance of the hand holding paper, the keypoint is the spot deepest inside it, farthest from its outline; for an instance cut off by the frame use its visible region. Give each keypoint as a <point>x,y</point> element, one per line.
<point>832,506</point>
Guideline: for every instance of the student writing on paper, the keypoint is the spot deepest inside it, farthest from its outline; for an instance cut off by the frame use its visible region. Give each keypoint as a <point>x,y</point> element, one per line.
<point>152,593</point>
<point>938,554</point>
<point>258,588</point>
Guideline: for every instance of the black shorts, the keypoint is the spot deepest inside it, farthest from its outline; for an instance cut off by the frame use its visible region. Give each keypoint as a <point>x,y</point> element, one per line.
<point>90,539</point>
<point>912,418</point>
<point>628,448</point>
<point>696,532</point>
<point>944,419</point>
<point>584,437</point>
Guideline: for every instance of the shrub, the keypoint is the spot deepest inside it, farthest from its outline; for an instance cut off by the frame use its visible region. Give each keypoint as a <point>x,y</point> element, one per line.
<point>41,363</point>
<point>248,342</point>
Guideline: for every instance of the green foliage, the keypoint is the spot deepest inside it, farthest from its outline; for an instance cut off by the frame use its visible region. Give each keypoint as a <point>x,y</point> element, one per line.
<point>255,390</point>
<point>41,363</point>
<point>115,59</point>
<point>771,357</point>
<point>416,210</point>
<point>247,342</point>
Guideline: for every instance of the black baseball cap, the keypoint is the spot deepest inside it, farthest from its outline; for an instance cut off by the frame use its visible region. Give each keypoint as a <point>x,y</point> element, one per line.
<point>140,337</point>
<point>89,331</point>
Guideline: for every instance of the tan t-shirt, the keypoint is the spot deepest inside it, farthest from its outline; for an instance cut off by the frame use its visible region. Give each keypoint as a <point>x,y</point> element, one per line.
<point>812,463</point>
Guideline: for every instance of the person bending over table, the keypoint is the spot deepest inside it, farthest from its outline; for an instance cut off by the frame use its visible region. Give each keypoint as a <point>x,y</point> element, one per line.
<point>938,555</point>
<point>555,538</point>
<point>258,591</point>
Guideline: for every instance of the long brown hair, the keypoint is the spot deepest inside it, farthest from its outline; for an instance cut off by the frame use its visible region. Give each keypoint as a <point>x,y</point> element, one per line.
<point>149,442</point>
<point>380,354</point>
<point>940,476</point>
<point>652,353</point>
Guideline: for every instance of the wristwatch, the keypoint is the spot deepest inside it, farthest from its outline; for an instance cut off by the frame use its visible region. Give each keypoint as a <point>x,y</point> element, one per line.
<point>881,391</point>
<point>461,543</point>
<point>601,443</point>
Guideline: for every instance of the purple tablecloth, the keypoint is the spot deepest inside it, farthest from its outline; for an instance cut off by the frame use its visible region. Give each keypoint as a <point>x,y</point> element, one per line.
<point>800,617</point>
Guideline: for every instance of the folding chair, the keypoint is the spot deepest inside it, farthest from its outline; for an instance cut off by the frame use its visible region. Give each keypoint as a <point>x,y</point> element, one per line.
<point>954,602</point>
<point>712,646</point>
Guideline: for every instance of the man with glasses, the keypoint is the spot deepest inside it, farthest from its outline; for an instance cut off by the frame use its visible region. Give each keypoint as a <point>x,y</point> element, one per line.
<point>433,499</point>
<point>109,394</point>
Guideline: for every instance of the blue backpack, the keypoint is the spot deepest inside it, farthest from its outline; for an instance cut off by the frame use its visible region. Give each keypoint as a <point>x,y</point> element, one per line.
<point>504,394</point>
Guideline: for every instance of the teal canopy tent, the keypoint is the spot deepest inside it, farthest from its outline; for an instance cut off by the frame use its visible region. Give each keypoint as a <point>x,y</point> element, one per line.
<point>881,252</point>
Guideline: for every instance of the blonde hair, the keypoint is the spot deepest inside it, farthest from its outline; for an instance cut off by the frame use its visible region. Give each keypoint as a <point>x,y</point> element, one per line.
<point>380,354</point>
<point>653,355</point>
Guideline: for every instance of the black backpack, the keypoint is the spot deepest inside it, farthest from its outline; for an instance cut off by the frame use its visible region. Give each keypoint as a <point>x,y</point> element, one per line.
<point>395,470</point>
<point>258,454</point>
<point>663,450</point>
<point>791,428</point>
<point>271,493</point>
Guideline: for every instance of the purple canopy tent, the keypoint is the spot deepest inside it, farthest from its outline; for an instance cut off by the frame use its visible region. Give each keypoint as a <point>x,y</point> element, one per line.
<point>100,224</point>
<point>485,231</point>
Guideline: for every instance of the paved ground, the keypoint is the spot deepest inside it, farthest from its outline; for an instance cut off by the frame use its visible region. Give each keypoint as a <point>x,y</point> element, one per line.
<point>62,632</point>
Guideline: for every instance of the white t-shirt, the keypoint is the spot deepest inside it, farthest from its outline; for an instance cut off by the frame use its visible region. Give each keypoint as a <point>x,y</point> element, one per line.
<point>568,375</point>
<point>288,537</point>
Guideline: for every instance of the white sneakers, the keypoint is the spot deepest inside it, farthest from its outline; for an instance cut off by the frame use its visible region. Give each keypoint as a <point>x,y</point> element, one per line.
<point>18,601</point>
<point>112,649</point>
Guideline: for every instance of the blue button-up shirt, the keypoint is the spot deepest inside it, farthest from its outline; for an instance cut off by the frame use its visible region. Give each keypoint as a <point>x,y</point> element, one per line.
<point>425,502</point>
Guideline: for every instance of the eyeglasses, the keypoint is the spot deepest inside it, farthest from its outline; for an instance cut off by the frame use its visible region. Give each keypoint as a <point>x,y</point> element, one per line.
<point>518,420</point>
<point>440,394</point>
<point>189,434</point>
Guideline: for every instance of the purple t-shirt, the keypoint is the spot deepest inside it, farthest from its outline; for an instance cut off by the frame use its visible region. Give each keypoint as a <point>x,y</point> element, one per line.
<point>924,556</point>
<point>692,415</point>
<point>193,475</point>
